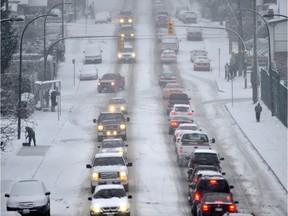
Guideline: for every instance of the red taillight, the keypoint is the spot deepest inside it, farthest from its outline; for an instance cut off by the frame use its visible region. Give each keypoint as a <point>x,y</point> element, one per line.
<point>197,196</point>
<point>173,124</point>
<point>173,113</point>
<point>213,181</point>
<point>181,149</point>
<point>189,113</point>
<point>205,207</point>
<point>189,103</point>
<point>218,201</point>
<point>232,208</point>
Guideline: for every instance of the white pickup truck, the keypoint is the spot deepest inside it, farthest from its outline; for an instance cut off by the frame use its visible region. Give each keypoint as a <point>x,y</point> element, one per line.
<point>188,141</point>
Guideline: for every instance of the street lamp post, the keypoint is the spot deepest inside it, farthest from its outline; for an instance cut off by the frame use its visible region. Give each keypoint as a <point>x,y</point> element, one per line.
<point>270,60</point>
<point>20,74</point>
<point>44,42</point>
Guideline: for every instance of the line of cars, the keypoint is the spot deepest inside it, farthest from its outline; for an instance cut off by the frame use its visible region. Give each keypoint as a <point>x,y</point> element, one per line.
<point>209,192</point>
<point>109,179</point>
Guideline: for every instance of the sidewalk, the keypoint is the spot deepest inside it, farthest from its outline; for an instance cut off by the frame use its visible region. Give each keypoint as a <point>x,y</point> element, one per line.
<point>268,137</point>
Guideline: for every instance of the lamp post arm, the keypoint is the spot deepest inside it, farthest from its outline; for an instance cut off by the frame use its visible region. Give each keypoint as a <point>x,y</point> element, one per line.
<point>20,74</point>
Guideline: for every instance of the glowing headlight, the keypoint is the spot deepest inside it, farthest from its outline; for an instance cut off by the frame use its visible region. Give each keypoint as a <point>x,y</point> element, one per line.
<point>122,35</point>
<point>133,55</point>
<point>100,128</point>
<point>124,207</point>
<point>130,20</point>
<point>132,34</point>
<point>121,20</point>
<point>114,133</point>
<point>121,152</point>
<point>122,127</point>
<point>119,55</point>
<point>95,209</point>
<point>108,133</point>
<point>99,83</point>
<point>112,83</point>
<point>122,108</point>
<point>112,109</point>
<point>95,176</point>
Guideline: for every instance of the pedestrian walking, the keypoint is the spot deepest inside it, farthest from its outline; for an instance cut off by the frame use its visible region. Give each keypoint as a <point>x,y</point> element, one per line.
<point>53,97</point>
<point>30,134</point>
<point>227,70</point>
<point>258,110</point>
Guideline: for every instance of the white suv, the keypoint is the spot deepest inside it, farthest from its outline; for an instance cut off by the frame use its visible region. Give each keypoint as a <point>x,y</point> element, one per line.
<point>110,200</point>
<point>109,168</point>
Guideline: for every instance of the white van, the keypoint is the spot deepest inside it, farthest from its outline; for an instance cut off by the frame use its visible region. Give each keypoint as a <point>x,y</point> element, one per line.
<point>93,54</point>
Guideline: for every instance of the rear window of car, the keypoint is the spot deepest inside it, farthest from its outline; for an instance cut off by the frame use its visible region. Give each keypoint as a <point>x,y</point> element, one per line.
<point>117,101</point>
<point>218,197</point>
<point>112,144</point>
<point>109,76</point>
<point>179,96</point>
<point>213,185</point>
<point>196,137</point>
<point>205,158</point>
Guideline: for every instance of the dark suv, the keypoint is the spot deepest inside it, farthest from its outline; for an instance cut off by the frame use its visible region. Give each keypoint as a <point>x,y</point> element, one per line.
<point>111,82</point>
<point>111,125</point>
<point>207,184</point>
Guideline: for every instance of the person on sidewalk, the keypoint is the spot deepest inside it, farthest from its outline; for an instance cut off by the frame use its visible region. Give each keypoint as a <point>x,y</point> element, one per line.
<point>53,97</point>
<point>258,110</point>
<point>30,134</point>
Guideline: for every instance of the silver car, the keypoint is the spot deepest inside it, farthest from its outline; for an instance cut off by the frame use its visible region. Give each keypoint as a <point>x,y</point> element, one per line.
<point>114,145</point>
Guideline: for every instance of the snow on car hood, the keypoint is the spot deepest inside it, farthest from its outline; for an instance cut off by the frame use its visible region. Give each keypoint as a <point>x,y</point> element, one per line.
<point>114,201</point>
<point>109,168</point>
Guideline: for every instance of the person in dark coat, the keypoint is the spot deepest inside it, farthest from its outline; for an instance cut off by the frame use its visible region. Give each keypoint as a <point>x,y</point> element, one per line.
<point>30,134</point>
<point>258,110</point>
<point>53,97</point>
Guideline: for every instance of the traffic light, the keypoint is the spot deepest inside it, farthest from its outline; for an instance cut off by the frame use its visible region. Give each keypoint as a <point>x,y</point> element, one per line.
<point>171,29</point>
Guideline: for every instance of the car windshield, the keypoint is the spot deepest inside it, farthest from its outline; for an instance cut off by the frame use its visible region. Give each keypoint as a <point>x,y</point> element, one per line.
<point>109,76</point>
<point>117,101</point>
<point>126,28</point>
<point>109,193</point>
<point>111,117</point>
<point>172,85</point>
<point>128,49</point>
<point>205,158</point>
<point>218,197</point>
<point>109,161</point>
<point>112,144</point>
<point>196,137</point>
<point>27,188</point>
<point>168,75</point>
<point>213,185</point>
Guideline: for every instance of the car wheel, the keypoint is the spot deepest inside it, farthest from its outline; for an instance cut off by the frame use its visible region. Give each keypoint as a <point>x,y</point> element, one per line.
<point>92,189</point>
<point>124,138</point>
<point>100,138</point>
<point>48,213</point>
<point>126,187</point>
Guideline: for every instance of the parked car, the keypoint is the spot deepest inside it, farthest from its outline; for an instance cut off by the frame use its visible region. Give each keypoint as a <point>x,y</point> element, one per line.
<point>114,145</point>
<point>168,56</point>
<point>93,54</point>
<point>202,63</point>
<point>109,168</point>
<point>171,88</point>
<point>118,104</point>
<point>194,34</point>
<point>110,199</point>
<point>29,196</point>
<point>195,53</point>
<point>88,72</point>
<point>102,17</point>
<point>216,204</point>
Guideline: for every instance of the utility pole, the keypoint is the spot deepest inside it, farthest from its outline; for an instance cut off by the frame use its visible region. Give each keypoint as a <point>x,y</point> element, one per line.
<point>240,32</point>
<point>254,61</point>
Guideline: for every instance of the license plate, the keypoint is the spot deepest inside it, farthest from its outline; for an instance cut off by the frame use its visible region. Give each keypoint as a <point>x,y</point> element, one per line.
<point>26,211</point>
<point>218,209</point>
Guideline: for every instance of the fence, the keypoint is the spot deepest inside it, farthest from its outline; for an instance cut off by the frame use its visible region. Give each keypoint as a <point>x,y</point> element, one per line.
<point>279,92</point>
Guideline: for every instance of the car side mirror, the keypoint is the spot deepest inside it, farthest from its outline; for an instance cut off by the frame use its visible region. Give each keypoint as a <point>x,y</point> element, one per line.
<point>127,119</point>
<point>7,195</point>
<point>129,197</point>
<point>98,146</point>
<point>94,121</point>
<point>213,140</point>
<point>88,166</point>
<point>126,145</point>
<point>231,186</point>
<point>221,158</point>
<point>129,164</point>
<point>90,198</point>
<point>223,173</point>
<point>47,193</point>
